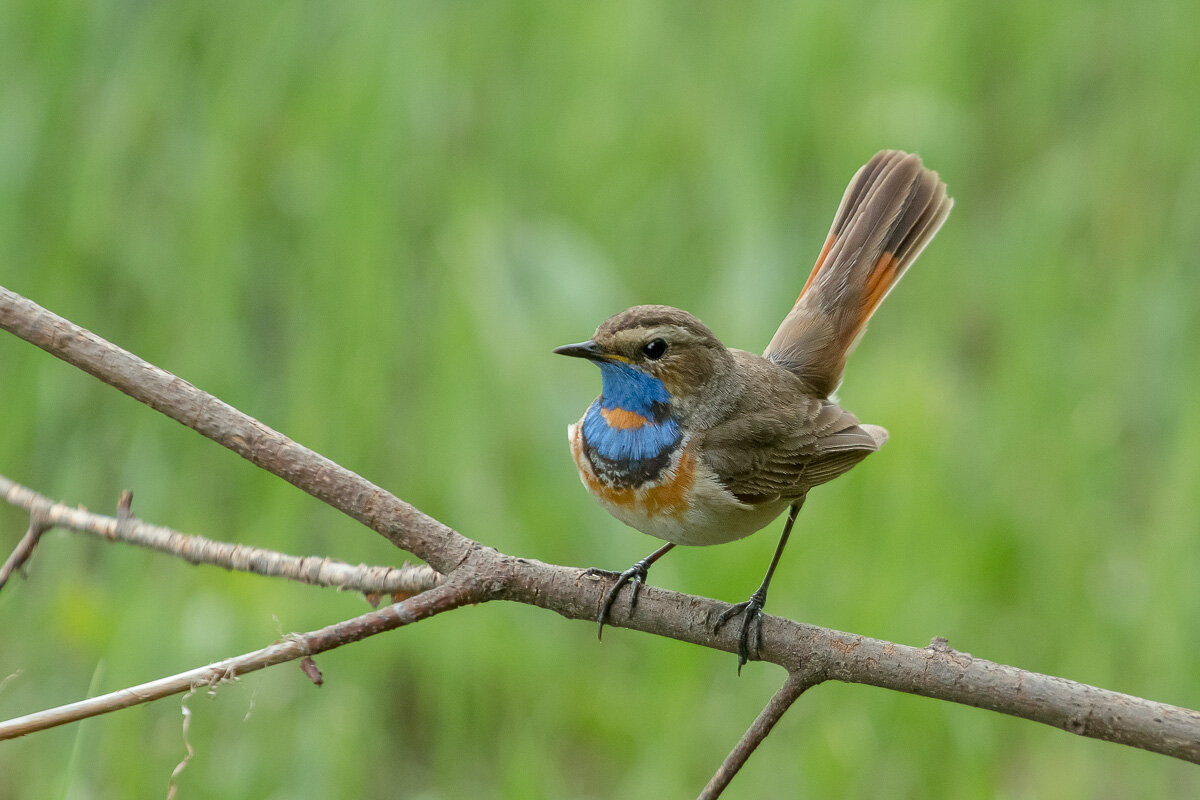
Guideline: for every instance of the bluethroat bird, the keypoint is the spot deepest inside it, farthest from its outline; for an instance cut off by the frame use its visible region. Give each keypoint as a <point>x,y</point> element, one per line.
<point>696,443</point>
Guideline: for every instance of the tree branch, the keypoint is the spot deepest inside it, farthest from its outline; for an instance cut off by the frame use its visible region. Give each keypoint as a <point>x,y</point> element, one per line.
<point>404,580</point>
<point>405,526</point>
<point>795,685</point>
<point>935,671</point>
<point>24,549</point>
<point>300,645</point>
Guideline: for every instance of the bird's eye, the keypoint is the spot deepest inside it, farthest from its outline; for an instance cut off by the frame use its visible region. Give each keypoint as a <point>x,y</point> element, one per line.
<point>655,349</point>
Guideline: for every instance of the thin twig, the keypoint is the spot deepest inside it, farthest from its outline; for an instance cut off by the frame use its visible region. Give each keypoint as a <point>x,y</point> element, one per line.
<point>404,580</point>
<point>24,549</point>
<point>795,685</point>
<point>404,525</point>
<point>435,601</point>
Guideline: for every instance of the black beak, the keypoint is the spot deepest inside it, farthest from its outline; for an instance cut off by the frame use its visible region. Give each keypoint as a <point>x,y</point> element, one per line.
<point>588,350</point>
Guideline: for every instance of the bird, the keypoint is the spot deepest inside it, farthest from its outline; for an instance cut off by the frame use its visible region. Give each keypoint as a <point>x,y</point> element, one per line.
<point>696,444</point>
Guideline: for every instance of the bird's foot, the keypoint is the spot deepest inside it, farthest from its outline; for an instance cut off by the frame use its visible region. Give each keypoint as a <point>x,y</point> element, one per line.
<point>635,575</point>
<point>750,635</point>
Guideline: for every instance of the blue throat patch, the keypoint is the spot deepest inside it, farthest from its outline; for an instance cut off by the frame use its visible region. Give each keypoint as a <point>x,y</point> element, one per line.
<point>629,389</point>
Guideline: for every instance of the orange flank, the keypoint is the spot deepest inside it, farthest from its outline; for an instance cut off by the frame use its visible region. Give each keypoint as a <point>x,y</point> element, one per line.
<point>820,262</point>
<point>621,419</point>
<point>671,496</point>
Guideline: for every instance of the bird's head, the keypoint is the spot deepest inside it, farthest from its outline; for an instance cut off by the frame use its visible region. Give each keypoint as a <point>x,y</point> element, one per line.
<point>654,360</point>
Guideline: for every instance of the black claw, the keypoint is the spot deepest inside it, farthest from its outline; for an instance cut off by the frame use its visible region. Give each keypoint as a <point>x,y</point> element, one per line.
<point>751,630</point>
<point>751,610</point>
<point>638,582</point>
<point>635,574</point>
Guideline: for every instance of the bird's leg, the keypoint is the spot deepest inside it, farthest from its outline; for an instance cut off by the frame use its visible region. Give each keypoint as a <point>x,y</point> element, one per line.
<point>752,608</point>
<point>636,574</point>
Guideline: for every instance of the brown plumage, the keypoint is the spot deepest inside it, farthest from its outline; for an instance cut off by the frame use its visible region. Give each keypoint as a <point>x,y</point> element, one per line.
<point>779,441</point>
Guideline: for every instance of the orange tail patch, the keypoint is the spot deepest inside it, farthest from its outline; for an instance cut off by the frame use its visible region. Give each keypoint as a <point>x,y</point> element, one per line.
<point>891,209</point>
<point>820,262</point>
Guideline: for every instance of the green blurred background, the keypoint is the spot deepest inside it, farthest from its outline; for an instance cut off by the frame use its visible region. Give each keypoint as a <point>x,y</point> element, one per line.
<point>367,225</point>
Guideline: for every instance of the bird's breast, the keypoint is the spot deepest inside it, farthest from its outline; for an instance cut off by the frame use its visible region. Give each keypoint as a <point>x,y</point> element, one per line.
<point>653,479</point>
<point>625,448</point>
<point>634,484</point>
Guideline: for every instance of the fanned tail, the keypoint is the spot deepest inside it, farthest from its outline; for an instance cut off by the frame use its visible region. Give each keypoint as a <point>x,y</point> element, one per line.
<point>891,209</point>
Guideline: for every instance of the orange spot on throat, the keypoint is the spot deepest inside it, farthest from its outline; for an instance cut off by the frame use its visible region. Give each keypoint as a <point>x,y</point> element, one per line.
<point>622,419</point>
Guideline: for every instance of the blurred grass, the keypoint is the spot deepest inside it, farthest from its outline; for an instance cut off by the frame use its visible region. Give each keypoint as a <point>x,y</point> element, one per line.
<point>367,225</point>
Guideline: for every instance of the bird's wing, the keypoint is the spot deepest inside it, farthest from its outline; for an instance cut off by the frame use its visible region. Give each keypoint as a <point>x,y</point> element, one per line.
<point>783,450</point>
